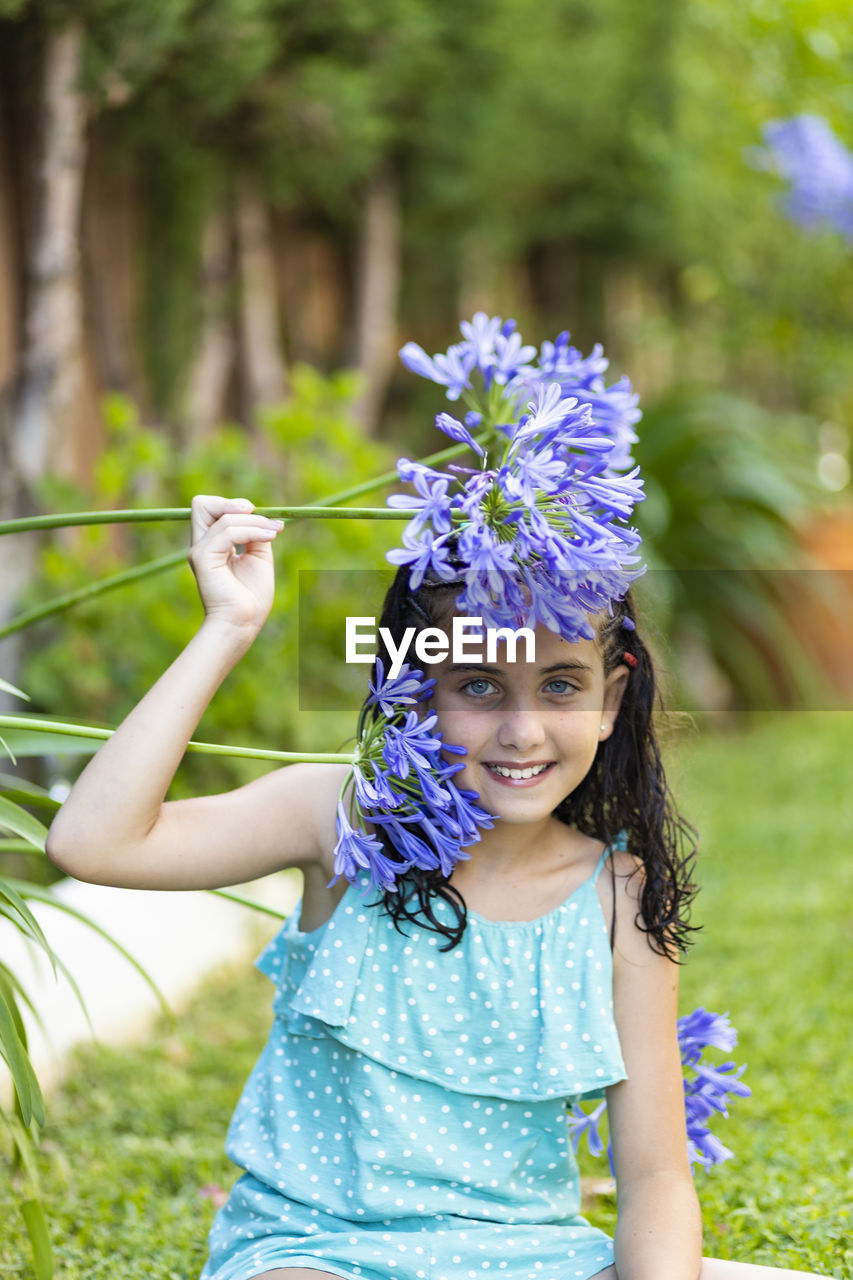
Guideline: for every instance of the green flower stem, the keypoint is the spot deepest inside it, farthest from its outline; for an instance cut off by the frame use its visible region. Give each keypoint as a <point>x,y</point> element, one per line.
<point>203,748</point>
<point>321,510</point>
<point>150,515</point>
<point>60,603</point>
<point>391,477</point>
<point>248,902</point>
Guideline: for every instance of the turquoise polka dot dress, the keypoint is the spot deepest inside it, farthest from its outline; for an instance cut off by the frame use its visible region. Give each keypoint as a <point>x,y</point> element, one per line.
<point>407,1117</point>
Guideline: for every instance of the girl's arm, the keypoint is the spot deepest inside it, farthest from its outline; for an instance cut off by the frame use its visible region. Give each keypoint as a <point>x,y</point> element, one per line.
<point>659,1226</point>
<point>116,826</point>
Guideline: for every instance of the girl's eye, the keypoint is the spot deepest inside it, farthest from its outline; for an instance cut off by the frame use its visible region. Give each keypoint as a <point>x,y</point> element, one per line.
<point>560,686</point>
<point>479,688</point>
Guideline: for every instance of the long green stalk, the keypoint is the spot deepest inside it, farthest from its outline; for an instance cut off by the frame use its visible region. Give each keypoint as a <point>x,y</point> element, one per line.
<point>391,477</point>
<point>60,603</point>
<point>151,515</point>
<point>202,748</point>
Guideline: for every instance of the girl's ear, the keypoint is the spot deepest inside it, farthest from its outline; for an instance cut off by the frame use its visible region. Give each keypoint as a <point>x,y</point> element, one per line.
<point>615,685</point>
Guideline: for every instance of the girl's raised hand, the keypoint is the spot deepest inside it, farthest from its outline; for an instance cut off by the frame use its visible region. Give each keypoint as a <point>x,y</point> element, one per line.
<point>236,587</point>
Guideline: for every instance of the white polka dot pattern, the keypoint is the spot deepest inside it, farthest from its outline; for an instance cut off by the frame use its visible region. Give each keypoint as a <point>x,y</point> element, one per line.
<point>407,1115</point>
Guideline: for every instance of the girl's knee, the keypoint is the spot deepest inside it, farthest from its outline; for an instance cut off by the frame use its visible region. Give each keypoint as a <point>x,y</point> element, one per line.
<point>295,1273</point>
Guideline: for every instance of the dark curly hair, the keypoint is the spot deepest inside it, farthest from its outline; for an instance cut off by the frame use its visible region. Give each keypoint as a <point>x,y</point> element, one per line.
<point>623,801</point>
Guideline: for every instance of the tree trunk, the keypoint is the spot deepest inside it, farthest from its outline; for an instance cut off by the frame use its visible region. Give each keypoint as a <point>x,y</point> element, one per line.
<point>213,368</point>
<point>263,369</point>
<point>376,295</point>
<point>42,407</point>
<point>51,365</point>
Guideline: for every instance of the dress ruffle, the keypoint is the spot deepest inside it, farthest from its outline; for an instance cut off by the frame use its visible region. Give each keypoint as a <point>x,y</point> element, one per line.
<point>504,1014</point>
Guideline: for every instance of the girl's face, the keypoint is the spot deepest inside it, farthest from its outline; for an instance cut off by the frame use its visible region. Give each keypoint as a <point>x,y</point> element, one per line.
<point>531,730</point>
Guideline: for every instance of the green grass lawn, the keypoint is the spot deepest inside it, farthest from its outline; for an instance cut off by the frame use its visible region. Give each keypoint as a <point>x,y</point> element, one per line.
<point>135,1136</point>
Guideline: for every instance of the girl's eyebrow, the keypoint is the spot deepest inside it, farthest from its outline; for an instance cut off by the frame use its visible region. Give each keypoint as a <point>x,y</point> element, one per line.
<point>565,666</point>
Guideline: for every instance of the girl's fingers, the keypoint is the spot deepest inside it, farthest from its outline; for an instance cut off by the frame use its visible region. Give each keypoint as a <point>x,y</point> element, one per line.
<point>225,534</point>
<point>237,527</point>
<point>208,508</point>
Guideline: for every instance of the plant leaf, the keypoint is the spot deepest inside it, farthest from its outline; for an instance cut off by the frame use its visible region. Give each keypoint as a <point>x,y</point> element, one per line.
<point>19,913</point>
<point>23,1141</point>
<point>41,893</point>
<point>23,791</point>
<point>11,981</point>
<point>5,687</point>
<point>21,1069</point>
<point>36,1225</point>
<point>14,818</point>
<point>13,906</point>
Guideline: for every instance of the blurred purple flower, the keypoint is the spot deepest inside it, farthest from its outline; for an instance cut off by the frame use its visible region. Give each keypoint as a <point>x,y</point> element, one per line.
<point>450,370</point>
<point>583,1125</point>
<point>818,168</point>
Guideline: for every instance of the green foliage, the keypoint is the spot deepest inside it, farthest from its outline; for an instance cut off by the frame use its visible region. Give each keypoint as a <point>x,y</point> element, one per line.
<point>119,643</point>
<point>771,806</point>
<point>178,183</point>
<point>727,485</point>
<point>761,305</point>
<point>584,121</point>
<point>26,1119</point>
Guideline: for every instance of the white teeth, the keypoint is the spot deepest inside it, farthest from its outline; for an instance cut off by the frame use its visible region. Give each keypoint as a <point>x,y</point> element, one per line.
<point>517,773</point>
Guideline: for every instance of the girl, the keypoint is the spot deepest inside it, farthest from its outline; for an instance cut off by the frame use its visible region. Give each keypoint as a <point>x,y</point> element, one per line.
<point>406,1119</point>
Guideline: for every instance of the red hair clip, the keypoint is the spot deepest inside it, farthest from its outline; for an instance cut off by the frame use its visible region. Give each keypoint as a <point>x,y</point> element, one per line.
<point>630,659</point>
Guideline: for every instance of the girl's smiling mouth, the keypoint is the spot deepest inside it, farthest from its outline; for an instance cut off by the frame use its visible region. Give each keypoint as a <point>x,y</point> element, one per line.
<point>518,774</point>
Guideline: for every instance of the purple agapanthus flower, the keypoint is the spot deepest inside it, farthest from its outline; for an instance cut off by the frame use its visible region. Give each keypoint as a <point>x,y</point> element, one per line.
<point>459,431</point>
<point>699,1029</point>
<point>481,334</point>
<point>424,553</point>
<point>402,691</point>
<point>356,851</point>
<point>450,370</point>
<point>432,504</point>
<point>540,532</point>
<point>584,1124</point>
<point>400,785</point>
<point>819,169</point>
<point>707,1091</point>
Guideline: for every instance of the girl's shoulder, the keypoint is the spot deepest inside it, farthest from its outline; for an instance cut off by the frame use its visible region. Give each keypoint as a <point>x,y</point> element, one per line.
<point>620,892</point>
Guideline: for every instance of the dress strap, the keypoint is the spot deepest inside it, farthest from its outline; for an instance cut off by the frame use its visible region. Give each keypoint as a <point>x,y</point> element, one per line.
<point>619,845</point>
<point>601,861</point>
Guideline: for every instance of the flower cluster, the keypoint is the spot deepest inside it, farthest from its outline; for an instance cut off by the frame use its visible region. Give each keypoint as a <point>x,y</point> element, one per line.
<point>537,532</point>
<point>401,784</point>
<point>819,168</point>
<point>706,1090</point>
<point>706,1093</point>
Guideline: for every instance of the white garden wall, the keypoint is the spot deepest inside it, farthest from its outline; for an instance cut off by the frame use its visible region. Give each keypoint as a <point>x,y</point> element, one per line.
<point>179,938</point>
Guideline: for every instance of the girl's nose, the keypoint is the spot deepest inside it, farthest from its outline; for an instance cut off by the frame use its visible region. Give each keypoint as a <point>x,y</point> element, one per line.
<point>521,729</point>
